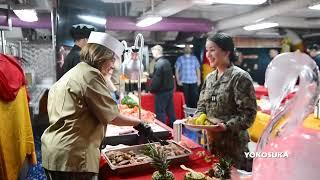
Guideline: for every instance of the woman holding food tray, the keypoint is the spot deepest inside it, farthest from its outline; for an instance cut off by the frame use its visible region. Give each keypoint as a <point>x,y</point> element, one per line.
<point>227,95</point>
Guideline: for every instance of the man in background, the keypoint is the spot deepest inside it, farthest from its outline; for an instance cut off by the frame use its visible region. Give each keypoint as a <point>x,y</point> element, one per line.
<point>188,76</point>
<point>162,85</point>
<point>80,34</point>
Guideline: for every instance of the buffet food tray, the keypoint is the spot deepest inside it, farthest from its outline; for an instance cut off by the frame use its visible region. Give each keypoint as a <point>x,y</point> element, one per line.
<point>137,149</point>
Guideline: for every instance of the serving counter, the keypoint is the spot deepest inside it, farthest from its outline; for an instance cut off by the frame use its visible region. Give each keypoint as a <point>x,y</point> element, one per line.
<point>199,160</point>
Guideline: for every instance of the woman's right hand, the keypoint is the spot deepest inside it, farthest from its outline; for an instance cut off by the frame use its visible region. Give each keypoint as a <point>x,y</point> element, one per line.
<point>144,130</point>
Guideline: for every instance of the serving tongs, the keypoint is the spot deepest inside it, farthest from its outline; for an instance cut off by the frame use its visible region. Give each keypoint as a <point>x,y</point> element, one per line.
<point>153,138</point>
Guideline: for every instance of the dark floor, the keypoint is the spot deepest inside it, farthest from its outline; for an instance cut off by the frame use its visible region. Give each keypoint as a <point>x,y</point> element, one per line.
<point>36,172</point>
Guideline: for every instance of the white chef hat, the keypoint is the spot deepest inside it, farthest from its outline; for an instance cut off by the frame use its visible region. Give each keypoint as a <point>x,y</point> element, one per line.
<point>107,41</point>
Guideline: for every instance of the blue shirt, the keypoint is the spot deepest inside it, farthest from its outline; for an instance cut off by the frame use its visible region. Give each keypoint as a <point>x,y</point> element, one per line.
<point>187,67</point>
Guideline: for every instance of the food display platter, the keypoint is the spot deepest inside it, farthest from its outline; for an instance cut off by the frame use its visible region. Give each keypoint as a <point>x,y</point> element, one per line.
<point>178,155</point>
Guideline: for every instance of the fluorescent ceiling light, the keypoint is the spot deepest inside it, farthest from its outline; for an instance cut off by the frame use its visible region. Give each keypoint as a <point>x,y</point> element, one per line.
<point>148,20</point>
<point>241,2</point>
<point>94,19</point>
<point>183,45</point>
<point>259,26</point>
<point>315,7</point>
<point>27,15</point>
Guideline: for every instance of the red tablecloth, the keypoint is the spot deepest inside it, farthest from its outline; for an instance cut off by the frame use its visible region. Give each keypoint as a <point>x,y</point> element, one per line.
<point>147,103</point>
<point>261,91</point>
<point>195,161</point>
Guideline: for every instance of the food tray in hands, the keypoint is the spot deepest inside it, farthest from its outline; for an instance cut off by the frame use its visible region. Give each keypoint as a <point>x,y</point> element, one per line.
<point>194,127</point>
<point>181,156</point>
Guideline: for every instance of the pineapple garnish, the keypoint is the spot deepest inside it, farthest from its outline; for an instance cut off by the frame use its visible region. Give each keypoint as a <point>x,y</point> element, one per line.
<point>160,162</point>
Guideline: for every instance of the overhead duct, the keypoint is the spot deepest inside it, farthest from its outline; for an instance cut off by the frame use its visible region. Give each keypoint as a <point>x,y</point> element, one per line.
<point>167,24</point>
<point>44,21</point>
<point>262,13</point>
<point>120,23</point>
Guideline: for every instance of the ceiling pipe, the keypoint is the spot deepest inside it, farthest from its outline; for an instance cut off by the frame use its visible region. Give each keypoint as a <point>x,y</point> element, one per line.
<point>167,24</point>
<point>265,12</point>
<point>44,21</point>
<point>120,23</point>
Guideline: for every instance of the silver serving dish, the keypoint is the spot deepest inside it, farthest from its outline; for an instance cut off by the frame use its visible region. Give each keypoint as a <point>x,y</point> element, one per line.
<point>137,149</point>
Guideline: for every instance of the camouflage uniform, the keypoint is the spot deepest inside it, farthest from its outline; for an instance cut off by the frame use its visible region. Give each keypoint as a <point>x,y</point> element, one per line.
<point>231,99</point>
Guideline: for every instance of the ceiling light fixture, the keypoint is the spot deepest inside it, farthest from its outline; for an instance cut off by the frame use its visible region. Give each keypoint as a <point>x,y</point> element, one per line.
<point>94,19</point>
<point>27,15</point>
<point>183,45</point>
<point>315,7</point>
<point>259,26</point>
<point>241,2</point>
<point>149,19</point>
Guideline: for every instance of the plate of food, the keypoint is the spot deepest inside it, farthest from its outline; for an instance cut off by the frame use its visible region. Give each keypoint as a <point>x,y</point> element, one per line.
<point>202,122</point>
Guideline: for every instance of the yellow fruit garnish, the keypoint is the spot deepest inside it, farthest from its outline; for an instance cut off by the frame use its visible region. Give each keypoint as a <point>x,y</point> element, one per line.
<point>207,123</point>
<point>201,119</point>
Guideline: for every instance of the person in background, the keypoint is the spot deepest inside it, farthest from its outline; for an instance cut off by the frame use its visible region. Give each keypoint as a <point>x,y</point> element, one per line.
<point>273,53</point>
<point>228,95</point>
<point>162,85</point>
<point>79,109</point>
<point>80,34</point>
<point>188,75</point>
<point>314,52</point>
<point>151,67</point>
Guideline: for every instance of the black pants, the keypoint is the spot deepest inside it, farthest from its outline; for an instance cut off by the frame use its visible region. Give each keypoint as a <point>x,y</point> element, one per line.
<point>164,106</point>
<point>191,94</point>
<point>59,175</point>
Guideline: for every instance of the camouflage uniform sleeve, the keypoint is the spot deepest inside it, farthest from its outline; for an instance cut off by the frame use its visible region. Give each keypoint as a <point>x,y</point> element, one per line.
<point>201,106</point>
<point>246,103</point>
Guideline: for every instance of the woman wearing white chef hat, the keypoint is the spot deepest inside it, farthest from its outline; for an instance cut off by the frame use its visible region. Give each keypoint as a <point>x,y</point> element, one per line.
<point>79,108</point>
